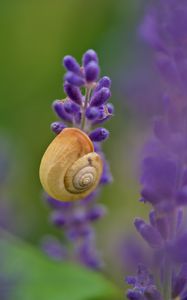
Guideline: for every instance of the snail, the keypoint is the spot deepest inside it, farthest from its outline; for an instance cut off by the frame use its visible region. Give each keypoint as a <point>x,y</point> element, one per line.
<point>70,169</point>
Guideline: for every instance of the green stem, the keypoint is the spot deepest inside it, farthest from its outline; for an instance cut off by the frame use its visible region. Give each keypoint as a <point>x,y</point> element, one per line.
<point>87,97</point>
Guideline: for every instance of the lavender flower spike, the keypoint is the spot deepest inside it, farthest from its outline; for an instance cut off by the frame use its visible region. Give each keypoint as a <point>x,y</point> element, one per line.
<point>81,111</point>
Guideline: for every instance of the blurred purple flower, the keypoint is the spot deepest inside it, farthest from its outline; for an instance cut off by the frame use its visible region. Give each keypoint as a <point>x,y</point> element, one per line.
<point>144,287</point>
<point>75,219</point>
<point>163,170</point>
<point>53,248</point>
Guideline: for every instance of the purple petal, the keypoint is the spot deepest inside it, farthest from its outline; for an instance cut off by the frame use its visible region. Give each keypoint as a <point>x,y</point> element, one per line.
<point>74,79</point>
<point>92,71</point>
<point>57,127</point>
<point>89,55</point>
<point>100,97</point>
<point>99,134</point>
<point>71,64</point>
<point>149,233</point>
<point>73,93</point>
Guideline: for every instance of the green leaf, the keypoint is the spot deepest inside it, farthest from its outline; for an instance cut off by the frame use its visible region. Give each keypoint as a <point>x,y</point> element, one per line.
<point>35,277</point>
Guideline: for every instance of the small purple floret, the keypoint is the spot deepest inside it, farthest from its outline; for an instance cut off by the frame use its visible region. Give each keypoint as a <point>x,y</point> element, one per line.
<point>58,107</point>
<point>149,233</point>
<point>92,112</point>
<point>90,55</point>
<point>71,64</point>
<point>57,127</point>
<point>99,134</point>
<point>58,219</point>
<point>71,107</point>
<point>103,82</point>
<point>91,71</point>
<point>96,213</point>
<point>100,97</point>
<point>73,92</point>
<point>74,79</point>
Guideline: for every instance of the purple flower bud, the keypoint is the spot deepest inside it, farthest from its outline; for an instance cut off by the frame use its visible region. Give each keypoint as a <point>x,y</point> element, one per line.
<point>103,116</point>
<point>150,234</point>
<point>71,64</point>
<point>74,79</point>
<point>103,82</point>
<point>131,280</point>
<point>79,230</point>
<point>92,112</point>
<point>58,107</point>
<point>78,217</point>
<point>99,134</point>
<point>71,107</point>
<point>96,212</point>
<point>135,295</point>
<point>88,255</point>
<point>53,248</point>
<point>57,127</point>
<point>149,195</point>
<point>91,71</point>
<point>58,219</point>
<point>102,113</point>
<point>100,97</point>
<point>110,107</point>
<point>89,55</point>
<point>73,92</point>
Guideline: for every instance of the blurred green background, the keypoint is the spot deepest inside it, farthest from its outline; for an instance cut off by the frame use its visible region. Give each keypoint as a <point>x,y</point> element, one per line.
<point>35,35</point>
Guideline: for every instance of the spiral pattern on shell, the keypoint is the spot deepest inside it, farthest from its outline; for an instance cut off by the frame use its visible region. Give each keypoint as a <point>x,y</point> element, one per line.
<point>70,169</point>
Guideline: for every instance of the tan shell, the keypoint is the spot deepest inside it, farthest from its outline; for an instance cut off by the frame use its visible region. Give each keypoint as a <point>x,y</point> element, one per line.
<point>70,169</point>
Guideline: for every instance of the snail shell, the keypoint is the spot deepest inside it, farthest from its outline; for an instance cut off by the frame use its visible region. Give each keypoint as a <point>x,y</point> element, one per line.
<point>70,169</point>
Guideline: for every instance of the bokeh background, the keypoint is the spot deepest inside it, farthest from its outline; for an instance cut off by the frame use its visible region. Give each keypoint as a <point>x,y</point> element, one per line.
<point>35,35</point>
